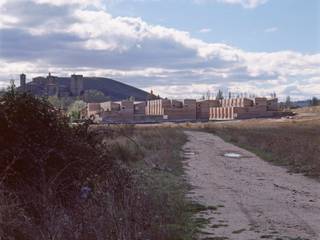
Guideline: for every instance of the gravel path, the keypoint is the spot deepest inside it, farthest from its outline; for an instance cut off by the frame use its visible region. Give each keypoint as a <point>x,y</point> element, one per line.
<point>254,200</point>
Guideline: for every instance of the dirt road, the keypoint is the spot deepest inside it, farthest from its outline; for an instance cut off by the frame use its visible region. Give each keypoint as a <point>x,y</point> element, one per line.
<point>248,198</point>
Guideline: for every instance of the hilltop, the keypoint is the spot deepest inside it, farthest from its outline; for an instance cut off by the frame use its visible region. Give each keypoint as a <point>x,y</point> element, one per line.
<point>114,89</point>
<point>76,85</point>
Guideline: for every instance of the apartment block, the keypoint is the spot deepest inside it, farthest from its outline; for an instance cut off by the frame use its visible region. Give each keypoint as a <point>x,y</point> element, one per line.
<point>173,110</point>
<point>244,108</point>
<point>159,110</point>
<point>203,108</point>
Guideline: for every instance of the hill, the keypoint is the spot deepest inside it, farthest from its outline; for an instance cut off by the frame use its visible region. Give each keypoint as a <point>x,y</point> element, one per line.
<point>114,89</point>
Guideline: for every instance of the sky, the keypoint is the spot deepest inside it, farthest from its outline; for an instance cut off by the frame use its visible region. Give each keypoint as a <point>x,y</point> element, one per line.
<point>177,48</point>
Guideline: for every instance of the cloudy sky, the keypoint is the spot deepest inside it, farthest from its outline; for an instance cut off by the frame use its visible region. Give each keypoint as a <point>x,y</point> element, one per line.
<point>178,48</point>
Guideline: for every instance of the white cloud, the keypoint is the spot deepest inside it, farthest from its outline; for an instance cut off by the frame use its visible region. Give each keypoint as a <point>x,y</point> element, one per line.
<point>93,42</point>
<point>271,30</point>
<point>205,30</point>
<point>96,3</point>
<point>243,3</point>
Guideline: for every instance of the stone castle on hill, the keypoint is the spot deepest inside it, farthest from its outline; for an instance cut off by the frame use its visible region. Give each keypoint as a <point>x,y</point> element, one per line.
<point>50,86</point>
<point>76,85</point>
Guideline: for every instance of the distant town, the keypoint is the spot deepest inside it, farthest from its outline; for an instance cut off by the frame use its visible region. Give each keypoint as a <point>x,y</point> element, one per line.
<point>152,108</point>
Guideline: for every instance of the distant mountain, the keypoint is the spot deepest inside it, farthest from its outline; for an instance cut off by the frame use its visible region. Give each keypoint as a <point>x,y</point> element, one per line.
<point>111,88</point>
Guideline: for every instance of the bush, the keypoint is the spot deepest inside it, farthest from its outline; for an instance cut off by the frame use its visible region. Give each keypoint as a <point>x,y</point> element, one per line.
<point>48,170</point>
<point>63,182</point>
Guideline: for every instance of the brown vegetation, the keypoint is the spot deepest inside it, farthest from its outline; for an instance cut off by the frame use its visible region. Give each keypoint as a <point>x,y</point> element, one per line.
<point>291,143</point>
<point>62,182</point>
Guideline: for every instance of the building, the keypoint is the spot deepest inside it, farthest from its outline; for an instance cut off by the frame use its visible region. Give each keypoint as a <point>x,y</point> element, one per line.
<point>203,109</point>
<point>51,86</point>
<point>160,110</point>
<point>23,82</point>
<point>93,110</point>
<point>172,110</point>
<point>120,111</point>
<point>76,85</point>
<point>244,108</point>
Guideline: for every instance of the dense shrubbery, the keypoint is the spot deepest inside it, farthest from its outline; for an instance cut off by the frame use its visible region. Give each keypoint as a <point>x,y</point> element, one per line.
<point>45,167</point>
<point>62,182</point>
<point>39,149</point>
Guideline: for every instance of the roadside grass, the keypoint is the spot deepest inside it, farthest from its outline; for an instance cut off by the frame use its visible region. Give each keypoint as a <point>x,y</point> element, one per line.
<point>294,144</point>
<point>155,156</point>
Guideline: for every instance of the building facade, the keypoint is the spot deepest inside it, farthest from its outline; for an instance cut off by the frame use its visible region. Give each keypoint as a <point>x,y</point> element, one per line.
<point>244,108</point>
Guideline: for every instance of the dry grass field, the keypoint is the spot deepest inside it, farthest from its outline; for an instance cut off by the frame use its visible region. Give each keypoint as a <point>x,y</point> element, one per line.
<point>291,143</point>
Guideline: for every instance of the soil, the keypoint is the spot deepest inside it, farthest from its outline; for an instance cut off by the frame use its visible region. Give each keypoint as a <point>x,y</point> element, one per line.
<point>246,197</point>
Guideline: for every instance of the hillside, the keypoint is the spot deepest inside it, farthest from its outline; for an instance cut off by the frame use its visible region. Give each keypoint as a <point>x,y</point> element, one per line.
<point>112,88</point>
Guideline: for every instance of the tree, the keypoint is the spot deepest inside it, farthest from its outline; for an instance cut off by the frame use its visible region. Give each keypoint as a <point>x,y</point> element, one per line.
<point>273,95</point>
<point>74,110</point>
<point>38,147</point>
<point>288,103</point>
<point>60,103</point>
<point>208,95</point>
<point>219,95</point>
<point>94,96</point>
<point>314,101</point>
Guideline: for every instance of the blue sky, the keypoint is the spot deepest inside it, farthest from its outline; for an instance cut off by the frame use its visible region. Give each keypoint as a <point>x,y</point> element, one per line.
<point>177,48</point>
<point>274,26</point>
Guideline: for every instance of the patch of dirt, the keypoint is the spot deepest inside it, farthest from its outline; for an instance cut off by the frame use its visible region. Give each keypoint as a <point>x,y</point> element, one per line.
<point>260,200</point>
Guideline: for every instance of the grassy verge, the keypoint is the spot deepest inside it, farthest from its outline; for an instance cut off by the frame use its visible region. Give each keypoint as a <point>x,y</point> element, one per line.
<point>156,158</point>
<point>291,144</point>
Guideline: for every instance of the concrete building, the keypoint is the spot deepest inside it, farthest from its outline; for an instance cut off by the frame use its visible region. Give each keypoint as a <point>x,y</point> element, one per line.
<point>203,108</point>
<point>140,108</point>
<point>172,110</point>
<point>160,110</point>
<point>244,108</point>
<point>120,111</point>
<point>93,109</point>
